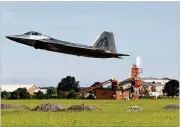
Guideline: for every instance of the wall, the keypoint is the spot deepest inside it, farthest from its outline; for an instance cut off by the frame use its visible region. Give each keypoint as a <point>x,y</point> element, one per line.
<point>125,93</point>
<point>159,89</point>
<point>104,94</point>
<point>118,95</point>
<point>32,89</point>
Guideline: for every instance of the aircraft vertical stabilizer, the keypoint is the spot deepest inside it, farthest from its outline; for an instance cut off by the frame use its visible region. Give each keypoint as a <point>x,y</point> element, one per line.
<point>106,42</point>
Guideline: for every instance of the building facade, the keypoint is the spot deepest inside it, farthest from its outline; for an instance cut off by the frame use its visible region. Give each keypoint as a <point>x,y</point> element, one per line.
<point>157,83</point>
<point>149,83</point>
<point>12,87</point>
<point>109,94</point>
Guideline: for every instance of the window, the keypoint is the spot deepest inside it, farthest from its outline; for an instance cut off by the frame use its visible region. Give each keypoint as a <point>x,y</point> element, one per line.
<point>51,39</point>
<point>32,33</point>
<point>35,33</point>
<point>28,33</point>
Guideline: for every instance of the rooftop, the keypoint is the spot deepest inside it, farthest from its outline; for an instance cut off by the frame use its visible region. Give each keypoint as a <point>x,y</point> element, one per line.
<point>13,87</point>
<point>152,84</point>
<point>153,78</point>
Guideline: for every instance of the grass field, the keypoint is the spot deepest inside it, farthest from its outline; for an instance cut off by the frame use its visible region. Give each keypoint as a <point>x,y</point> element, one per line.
<point>112,114</point>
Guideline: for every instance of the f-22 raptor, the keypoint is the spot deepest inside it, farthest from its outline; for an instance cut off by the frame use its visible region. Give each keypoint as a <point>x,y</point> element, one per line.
<point>104,47</point>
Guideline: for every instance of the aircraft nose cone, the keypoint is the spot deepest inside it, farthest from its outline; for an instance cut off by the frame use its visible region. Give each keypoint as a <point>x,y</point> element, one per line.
<point>13,38</point>
<point>10,37</point>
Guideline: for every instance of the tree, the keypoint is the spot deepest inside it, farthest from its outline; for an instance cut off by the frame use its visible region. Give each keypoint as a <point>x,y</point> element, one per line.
<point>90,96</point>
<point>39,95</point>
<point>171,88</point>
<point>23,93</point>
<point>62,94</point>
<point>20,93</point>
<point>14,95</point>
<point>52,92</point>
<point>81,97</point>
<point>72,94</point>
<point>4,95</point>
<point>68,83</point>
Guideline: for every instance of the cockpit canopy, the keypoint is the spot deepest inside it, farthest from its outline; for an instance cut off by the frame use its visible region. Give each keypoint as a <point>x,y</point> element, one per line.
<point>32,33</point>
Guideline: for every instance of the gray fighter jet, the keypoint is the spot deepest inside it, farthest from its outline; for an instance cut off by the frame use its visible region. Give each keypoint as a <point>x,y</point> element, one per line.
<point>104,47</point>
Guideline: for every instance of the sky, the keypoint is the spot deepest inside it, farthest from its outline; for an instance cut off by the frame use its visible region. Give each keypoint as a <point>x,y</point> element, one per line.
<point>146,29</point>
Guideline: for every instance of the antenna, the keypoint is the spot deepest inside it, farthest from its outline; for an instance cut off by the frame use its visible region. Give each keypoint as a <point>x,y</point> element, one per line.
<point>139,64</point>
<point>138,61</point>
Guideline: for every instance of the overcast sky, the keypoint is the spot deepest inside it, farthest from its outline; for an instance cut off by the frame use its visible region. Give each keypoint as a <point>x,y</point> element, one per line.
<point>146,29</point>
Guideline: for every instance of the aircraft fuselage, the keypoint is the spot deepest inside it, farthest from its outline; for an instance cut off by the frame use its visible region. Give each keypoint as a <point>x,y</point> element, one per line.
<point>50,44</point>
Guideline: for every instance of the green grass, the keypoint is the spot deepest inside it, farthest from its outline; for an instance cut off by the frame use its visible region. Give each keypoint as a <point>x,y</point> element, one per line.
<point>112,114</point>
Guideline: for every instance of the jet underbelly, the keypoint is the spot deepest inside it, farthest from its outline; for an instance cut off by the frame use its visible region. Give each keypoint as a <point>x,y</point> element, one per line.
<point>72,50</point>
<point>81,51</point>
<point>78,51</point>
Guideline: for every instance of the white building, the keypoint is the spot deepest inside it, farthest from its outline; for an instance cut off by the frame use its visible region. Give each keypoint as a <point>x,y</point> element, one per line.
<point>149,82</point>
<point>162,81</point>
<point>156,82</point>
<point>12,87</point>
<point>42,90</point>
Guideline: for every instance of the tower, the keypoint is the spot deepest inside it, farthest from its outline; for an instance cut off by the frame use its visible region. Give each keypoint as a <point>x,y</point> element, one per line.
<point>135,76</point>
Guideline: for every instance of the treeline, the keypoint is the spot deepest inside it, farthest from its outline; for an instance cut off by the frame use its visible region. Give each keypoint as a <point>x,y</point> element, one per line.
<point>66,89</point>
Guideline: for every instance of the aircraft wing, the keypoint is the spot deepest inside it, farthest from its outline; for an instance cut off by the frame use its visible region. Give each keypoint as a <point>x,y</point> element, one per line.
<point>71,48</point>
<point>118,54</point>
<point>122,54</point>
<point>54,42</point>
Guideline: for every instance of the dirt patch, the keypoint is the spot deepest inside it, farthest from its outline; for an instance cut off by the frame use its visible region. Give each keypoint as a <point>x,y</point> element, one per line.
<point>52,107</point>
<point>134,109</point>
<point>172,106</point>
<point>82,107</point>
<point>14,106</point>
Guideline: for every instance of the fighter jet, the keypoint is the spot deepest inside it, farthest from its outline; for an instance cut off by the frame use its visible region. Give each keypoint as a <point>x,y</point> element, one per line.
<point>104,47</point>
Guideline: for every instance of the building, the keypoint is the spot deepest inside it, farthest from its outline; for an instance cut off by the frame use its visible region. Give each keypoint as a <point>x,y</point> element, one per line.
<point>161,81</point>
<point>12,87</point>
<point>103,93</point>
<point>149,83</point>
<point>156,83</point>
<point>44,90</point>
<point>126,85</point>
